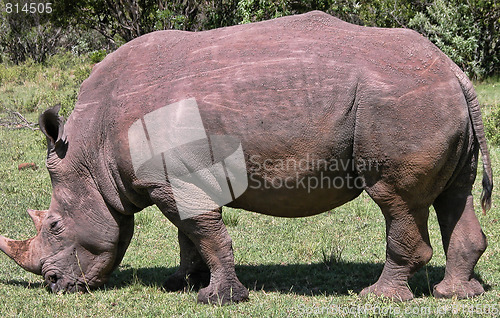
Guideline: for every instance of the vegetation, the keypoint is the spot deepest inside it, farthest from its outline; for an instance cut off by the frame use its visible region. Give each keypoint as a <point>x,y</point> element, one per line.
<point>467,32</point>
<point>31,87</point>
<point>489,96</point>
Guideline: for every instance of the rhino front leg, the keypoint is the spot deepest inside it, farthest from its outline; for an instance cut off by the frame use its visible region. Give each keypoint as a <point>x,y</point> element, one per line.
<point>463,241</point>
<point>208,235</point>
<point>192,272</point>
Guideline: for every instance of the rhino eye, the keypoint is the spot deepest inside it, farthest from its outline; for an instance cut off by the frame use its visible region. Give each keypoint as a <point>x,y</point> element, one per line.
<point>55,227</point>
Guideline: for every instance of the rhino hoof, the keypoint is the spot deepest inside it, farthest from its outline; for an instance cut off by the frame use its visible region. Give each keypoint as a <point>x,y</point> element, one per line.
<point>395,293</point>
<point>223,294</point>
<point>459,289</point>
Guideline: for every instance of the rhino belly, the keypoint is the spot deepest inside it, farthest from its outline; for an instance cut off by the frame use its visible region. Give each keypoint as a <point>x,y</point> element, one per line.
<point>298,194</point>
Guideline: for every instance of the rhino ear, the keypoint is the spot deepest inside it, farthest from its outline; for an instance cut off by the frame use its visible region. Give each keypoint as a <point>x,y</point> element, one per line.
<point>52,125</point>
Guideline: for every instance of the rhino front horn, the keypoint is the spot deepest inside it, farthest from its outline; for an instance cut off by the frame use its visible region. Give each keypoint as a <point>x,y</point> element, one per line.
<point>23,253</point>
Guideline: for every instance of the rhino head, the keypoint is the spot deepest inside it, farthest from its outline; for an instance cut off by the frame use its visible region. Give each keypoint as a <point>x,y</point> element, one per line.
<point>79,241</point>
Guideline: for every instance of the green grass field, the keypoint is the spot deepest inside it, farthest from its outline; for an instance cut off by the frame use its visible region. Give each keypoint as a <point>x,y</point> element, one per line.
<point>312,266</point>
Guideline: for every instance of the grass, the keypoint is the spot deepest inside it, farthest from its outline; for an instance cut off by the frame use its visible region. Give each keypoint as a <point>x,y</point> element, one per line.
<point>293,267</point>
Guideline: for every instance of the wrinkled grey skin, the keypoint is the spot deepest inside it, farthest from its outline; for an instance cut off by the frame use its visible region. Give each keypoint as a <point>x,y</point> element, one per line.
<point>307,85</point>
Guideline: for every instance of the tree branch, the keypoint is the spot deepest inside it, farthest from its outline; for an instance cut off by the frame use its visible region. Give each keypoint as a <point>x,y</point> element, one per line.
<point>17,121</point>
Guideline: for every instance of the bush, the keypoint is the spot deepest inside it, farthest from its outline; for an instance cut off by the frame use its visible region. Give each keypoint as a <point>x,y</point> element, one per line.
<point>27,36</point>
<point>492,126</point>
<point>258,10</point>
<point>97,56</point>
<point>468,31</point>
<point>452,28</point>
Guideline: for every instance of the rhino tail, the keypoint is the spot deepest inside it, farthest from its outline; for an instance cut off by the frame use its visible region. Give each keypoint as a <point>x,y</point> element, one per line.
<point>477,125</point>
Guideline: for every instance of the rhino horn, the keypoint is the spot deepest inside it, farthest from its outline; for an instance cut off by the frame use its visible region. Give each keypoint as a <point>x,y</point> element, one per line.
<point>37,216</point>
<point>24,253</point>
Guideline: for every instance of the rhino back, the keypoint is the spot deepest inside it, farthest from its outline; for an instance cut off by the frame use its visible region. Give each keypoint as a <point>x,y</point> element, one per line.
<point>276,84</point>
<point>295,69</point>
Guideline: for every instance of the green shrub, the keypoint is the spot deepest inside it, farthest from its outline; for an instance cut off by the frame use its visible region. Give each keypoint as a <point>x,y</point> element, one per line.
<point>492,126</point>
<point>258,10</point>
<point>82,72</point>
<point>68,101</point>
<point>97,56</point>
<point>453,29</point>
<point>168,19</point>
<point>27,36</point>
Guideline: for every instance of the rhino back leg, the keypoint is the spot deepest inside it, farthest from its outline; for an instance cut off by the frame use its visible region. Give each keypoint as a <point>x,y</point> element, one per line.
<point>408,246</point>
<point>192,271</point>
<point>463,240</point>
<point>418,129</point>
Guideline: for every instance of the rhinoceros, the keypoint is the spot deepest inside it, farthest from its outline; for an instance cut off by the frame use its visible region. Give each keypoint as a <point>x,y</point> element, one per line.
<point>289,117</point>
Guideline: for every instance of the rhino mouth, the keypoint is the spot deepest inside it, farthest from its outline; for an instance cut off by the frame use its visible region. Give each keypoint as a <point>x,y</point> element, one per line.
<point>57,284</point>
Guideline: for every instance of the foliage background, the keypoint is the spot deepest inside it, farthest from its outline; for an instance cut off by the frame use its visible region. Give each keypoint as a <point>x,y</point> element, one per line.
<point>467,31</point>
